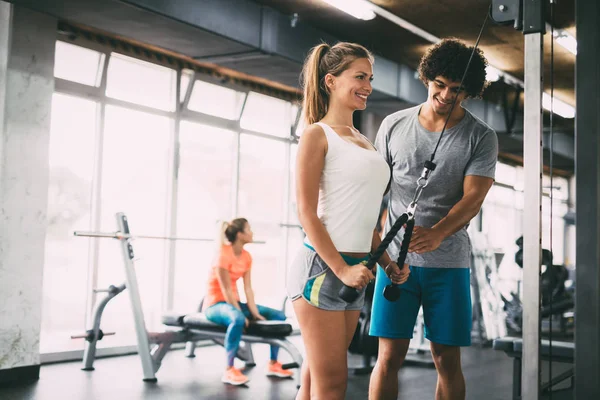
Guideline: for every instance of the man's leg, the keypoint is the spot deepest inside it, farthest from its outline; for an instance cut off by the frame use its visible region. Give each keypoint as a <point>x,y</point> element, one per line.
<point>451,382</point>
<point>384,378</point>
<point>393,322</point>
<point>447,314</point>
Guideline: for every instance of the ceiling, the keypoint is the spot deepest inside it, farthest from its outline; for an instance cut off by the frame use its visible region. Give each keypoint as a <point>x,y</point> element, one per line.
<point>503,46</point>
<point>255,38</point>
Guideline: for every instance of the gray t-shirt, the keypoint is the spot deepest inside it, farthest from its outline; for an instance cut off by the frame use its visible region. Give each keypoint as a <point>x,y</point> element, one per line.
<point>468,148</point>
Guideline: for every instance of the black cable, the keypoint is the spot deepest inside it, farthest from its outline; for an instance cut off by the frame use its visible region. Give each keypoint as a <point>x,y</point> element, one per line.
<point>551,182</point>
<point>487,15</point>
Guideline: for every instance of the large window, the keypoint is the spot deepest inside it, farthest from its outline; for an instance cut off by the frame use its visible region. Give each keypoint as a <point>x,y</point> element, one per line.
<point>267,114</point>
<point>88,68</point>
<point>204,197</point>
<point>215,100</point>
<point>141,82</point>
<point>72,136</point>
<point>261,199</point>
<point>125,145</point>
<point>134,181</point>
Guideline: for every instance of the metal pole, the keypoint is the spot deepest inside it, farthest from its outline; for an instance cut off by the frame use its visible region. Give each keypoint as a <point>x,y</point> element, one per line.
<point>96,197</point>
<point>136,303</point>
<point>587,172</point>
<point>173,184</point>
<point>532,152</point>
<point>235,179</point>
<point>123,235</point>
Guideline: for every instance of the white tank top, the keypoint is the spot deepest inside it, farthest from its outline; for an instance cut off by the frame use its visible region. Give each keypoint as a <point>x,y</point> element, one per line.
<point>351,189</point>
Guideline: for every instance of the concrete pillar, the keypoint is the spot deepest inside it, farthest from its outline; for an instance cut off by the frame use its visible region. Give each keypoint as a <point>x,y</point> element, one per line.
<point>27,42</point>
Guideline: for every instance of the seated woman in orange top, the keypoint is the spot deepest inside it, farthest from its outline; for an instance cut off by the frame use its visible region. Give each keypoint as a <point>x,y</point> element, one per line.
<point>222,303</point>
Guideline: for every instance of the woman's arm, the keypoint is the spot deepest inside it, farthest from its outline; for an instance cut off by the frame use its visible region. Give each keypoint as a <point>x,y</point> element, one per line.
<point>225,283</point>
<point>250,296</point>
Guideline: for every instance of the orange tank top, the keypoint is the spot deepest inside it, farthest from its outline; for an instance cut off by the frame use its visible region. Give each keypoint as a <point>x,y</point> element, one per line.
<point>237,267</point>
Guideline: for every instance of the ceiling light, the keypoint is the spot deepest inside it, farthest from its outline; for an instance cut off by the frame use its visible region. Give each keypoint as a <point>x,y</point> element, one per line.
<point>566,40</point>
<point>560,107</point>
<point>360,9</point>
<point>492,74</point>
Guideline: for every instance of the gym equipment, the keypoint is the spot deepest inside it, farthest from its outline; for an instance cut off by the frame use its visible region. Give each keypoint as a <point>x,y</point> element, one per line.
<point>93,335</point>
<point>489,316</point>
<point>122,235</point>
<point>556,301</point>
<point>349,294</point>
<point>189,329</point>
<point>530,16</point>
<point>200,328</point>
<point>563,352</point>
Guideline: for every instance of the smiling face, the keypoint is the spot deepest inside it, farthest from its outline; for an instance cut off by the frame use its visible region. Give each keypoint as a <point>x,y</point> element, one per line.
<point>352,87</point>
<point>441,94</point>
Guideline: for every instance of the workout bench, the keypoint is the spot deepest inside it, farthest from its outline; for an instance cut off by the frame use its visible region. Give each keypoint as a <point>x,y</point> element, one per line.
<point>189,329</point>
<point>198,327</point>
<point>563,352</point>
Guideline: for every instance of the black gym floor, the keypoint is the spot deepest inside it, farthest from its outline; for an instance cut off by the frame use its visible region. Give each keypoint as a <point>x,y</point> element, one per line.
<point>488,374</point>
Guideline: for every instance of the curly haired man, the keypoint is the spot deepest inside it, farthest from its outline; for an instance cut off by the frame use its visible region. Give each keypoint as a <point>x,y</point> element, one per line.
<point>439,252</point>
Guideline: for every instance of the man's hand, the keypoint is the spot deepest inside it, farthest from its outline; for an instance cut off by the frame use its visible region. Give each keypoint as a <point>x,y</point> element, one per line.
<point>259,317</point>
<point>397,275</point>
<point>424,240</point>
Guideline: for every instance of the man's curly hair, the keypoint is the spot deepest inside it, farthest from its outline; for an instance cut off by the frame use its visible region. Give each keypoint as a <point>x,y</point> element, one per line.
<point>449,59</point>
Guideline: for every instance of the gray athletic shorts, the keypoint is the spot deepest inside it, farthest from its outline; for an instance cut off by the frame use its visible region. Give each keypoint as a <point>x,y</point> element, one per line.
<point>308,276</point>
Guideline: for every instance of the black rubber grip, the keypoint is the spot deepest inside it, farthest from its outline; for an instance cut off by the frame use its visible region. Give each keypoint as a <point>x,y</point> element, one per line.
<point>392,291</point>
<point>349,294</point>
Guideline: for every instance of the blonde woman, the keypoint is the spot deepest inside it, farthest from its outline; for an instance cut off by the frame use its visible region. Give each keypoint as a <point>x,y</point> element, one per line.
<point>341,179</point>
<point>222,303</point>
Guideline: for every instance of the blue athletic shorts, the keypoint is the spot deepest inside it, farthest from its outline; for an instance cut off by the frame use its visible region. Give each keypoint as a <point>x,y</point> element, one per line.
<point>444,293</point>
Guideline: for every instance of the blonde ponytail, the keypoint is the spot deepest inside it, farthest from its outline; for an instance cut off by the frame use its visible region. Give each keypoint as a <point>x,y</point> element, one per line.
<point>222,227</point>
<point>316,97</point>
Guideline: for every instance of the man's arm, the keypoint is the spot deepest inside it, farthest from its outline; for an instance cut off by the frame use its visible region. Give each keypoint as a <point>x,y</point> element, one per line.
<point>475,188</point>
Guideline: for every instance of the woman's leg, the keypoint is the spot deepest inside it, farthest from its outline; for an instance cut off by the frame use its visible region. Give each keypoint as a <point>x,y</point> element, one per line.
<point>304,392</point>
<point>326,354</point>
<point>272,314</point>
<point>351,323</point>
<point>234,319</point>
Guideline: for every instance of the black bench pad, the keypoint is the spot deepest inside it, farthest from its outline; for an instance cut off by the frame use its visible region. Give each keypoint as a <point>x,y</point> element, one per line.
<point>272,329</point>
<point>565,350</point>
<point>173,319</point>
<point>505,343</point>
